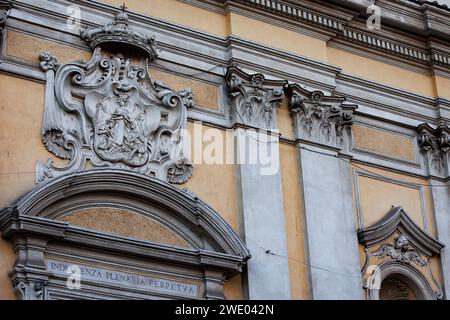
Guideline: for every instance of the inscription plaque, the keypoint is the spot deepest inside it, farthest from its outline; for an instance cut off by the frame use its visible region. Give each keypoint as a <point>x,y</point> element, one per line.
<point>124,279</point>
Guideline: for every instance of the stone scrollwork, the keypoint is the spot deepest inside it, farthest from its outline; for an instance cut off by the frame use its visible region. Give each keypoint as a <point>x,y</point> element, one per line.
<point>110,112</point>
<point>5,5</point>
<point>26,290</point>
<point>435,145</point>
<point>319,118</point>
<point>254,98</point>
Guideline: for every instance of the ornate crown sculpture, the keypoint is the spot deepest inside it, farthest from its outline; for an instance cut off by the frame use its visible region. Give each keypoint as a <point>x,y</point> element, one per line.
<point>110,112</point>
<point>118,32</point>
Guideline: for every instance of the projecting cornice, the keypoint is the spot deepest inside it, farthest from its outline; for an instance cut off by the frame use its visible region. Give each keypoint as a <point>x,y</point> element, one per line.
<point>339,21</point>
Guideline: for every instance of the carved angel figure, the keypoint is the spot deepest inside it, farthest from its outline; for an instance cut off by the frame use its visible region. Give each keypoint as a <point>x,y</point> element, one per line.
<point>401,251</point>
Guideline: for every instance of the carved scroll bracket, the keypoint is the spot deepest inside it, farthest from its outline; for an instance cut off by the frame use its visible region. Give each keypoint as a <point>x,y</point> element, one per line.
<point>4,9</point>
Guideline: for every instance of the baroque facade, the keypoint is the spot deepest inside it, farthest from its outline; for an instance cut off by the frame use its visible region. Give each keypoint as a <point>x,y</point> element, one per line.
<point>211,149</point>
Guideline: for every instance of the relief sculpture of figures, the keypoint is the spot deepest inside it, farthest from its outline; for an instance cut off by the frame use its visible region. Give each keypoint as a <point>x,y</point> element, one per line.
<point>110,112</point>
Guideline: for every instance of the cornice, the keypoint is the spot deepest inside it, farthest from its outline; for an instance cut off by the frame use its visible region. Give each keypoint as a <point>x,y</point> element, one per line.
<point>432,3</point>
<point>398,220</point>
<point>300,18</point>
<point>326,25</point>
<point>341,29</point>
<point>201,52</point>
<point>294,13</point>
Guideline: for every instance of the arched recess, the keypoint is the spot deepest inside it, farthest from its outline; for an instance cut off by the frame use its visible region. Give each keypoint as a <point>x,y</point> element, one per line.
<point>397,249</point>
<point>187,250</point>
<point>408,278</point>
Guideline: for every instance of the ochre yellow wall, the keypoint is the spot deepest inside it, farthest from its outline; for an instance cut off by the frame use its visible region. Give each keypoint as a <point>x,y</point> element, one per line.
<point>383,73</point>
<point>383,143</point>
<point>27,47</point>
<point>21,110</point>
<point>284,119</point>
<point>216,185</point>
<point>442,87</point>
<point>292,199</point>
<point>178,13</point>
<point>377,197</point>
<point>277,37</point>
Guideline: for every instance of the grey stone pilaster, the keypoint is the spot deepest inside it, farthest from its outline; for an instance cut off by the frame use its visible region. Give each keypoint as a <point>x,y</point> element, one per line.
<point>322,126</point>
<point>263,221</point>
<point>441,202</point>
<point>434,143</point>
<point>330,226</point>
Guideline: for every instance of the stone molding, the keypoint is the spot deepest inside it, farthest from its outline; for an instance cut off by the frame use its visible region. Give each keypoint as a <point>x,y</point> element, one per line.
<point>5,5</point>
<point>32,223</point>
<point>398,219</point>
<point>340,27</point>
<point>398,242</point>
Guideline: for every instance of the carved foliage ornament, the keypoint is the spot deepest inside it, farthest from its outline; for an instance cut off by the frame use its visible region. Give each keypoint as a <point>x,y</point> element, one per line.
<point>319,118</point>
<point>254,98</point>
<point>109,111</point>
<point>4,9</point>
<point>435,144</point>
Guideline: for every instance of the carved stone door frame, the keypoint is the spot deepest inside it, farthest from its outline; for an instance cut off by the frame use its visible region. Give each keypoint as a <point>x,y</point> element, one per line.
<point>44,242</point>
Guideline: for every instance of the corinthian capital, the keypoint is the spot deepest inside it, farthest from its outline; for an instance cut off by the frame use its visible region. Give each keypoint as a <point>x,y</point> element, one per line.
<point>435,145</point>
<point>254,98</point>
<point>318,118</point>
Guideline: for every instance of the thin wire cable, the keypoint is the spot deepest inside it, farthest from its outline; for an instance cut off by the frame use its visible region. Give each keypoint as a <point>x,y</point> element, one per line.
<point>270,252</point>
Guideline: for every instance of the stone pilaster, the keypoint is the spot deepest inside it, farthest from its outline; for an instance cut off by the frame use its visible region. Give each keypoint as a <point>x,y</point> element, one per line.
<point>434,144</point>
<point>254,100</point>
<point>322,126</point>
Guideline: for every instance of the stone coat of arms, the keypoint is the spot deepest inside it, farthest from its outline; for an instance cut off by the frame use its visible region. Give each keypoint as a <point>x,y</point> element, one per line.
<point>110,112</point>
